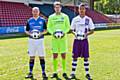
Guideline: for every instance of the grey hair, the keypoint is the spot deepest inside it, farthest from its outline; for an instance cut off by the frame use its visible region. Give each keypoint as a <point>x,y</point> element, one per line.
<point>35,8</point>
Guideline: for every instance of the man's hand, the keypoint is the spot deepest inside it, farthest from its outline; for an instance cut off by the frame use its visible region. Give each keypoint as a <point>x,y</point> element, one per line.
<point>44,32</point>
<point>28,33</point>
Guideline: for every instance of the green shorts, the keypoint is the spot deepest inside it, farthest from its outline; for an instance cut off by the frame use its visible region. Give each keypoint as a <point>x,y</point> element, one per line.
<point>59,45</point>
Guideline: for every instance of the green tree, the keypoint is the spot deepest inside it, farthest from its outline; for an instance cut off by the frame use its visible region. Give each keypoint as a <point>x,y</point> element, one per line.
<point>108,6</point>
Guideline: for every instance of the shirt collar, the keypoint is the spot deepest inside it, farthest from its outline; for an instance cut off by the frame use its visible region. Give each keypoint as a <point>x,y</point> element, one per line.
<point>36,18</point>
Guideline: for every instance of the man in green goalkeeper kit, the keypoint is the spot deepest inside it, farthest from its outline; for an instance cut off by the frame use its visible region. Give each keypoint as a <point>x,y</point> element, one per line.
<point>58,26</point>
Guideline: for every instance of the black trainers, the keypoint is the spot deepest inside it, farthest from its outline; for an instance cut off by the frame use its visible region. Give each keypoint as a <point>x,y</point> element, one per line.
<point>44,76</point>
<point>55,75</point>
<point>88,77</point>
<point>65,76</point>
<point>30,75</point>
<point>72,76</point>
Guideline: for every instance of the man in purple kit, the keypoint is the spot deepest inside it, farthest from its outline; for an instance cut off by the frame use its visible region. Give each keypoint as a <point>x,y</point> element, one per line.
<point>81,26</point>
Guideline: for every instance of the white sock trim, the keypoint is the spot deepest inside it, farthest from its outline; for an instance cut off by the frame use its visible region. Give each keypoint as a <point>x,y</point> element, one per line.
<point>74,67</point>
<point>75,62</point>
<point>86,67</point>
<point>87,62</point>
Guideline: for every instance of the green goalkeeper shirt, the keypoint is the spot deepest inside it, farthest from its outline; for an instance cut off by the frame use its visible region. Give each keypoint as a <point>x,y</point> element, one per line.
<point>58,22</point>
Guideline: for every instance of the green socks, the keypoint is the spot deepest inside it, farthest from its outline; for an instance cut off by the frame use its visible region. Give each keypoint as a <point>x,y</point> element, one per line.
<point>55,65</point>
<point>64,65</point>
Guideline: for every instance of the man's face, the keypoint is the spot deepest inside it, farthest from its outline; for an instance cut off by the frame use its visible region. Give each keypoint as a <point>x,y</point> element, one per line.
<point>35,12</point>
<point>57,8</point>
<point>82,10</point>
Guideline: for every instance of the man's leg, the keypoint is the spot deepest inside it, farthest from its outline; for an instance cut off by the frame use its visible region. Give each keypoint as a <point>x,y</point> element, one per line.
<point>41,53</point>
<point>55,62</point>
<point>74,66</point>
<point>75,56</point>
<point>63,50</point>
<point>42,63</point>
<point>31,65</point>
<point>86,66</point>
<point>63,55</point>
<point>55,65</point>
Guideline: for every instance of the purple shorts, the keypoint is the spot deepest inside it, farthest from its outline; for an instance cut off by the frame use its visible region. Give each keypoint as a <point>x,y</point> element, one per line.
<point>80,48</point>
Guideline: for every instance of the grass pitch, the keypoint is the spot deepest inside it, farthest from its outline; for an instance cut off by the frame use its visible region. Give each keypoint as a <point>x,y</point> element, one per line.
<point>104,58</point>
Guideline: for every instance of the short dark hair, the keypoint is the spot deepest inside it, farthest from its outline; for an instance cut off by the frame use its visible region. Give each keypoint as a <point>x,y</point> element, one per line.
<point>82,4</point>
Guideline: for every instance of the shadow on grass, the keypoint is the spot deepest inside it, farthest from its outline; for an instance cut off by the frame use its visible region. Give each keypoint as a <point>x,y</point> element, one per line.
<point>12,36</point>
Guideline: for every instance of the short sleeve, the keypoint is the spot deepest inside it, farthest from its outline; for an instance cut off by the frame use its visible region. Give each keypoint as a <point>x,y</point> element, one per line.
<point>73,24</point>
<point>91,24</point>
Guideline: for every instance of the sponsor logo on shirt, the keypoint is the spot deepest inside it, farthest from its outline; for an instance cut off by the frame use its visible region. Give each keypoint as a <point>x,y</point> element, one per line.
<point>31,23</point>
<point>59,19</point>
<point>37,26</point>
<point>86,21</point>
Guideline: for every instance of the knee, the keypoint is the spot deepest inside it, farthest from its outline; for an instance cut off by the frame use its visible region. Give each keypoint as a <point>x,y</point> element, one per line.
<point>32,59</point>
<point>41,58</point>
<point>63,56</point>
<point>85,59</point>
<point>42,61</point>
<point>55,56</point>
<point>74,59</point>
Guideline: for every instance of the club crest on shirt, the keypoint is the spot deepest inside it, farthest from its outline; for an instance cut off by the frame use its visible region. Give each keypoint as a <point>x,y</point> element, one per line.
<point>62,18</point>
<point>40,22</point>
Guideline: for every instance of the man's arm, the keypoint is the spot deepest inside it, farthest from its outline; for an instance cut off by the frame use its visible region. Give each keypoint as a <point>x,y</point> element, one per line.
<point>67,25</point>
<point>91,28</point>
<point>49,26</point>
<point>27,29</point>
<point>90,32</point>
<point>73,32</point>
<point>72,29</point>
<point>45,28</point>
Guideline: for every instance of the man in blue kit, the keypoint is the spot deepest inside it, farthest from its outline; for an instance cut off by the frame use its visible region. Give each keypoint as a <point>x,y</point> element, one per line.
<point>35,29</point>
